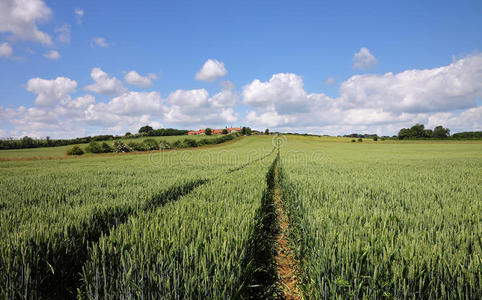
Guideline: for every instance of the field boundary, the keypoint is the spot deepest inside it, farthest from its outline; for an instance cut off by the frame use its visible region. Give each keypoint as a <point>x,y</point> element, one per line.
<point>99,155</point>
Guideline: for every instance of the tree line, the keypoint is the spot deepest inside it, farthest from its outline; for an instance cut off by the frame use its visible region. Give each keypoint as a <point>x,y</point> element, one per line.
<point>29,142</point>
<point>418,131</point>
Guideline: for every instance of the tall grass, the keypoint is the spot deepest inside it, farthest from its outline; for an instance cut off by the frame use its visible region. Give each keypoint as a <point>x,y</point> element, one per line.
<point>397,222</point>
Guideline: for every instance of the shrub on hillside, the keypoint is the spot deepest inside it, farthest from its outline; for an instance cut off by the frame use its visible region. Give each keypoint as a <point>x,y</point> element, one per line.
<point>136,146</point>
<point>75,150</point>
<point>206,141</point>
<point>93,147</point>
<point>360,140</point>
<point>120,147</point>
<point>164,145</point>
<point>353,140</point>
<point>150,144</point>
<point>190,143</point>
<point>177,144</point>
<point>106,148</point>
<point>375,138</point>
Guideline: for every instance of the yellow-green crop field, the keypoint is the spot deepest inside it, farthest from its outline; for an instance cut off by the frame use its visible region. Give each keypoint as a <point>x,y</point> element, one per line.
<point>367,220</point>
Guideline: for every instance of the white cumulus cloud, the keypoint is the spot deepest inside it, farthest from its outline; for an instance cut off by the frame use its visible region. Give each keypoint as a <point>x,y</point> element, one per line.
<point>283,92</point>
<point>211,70</point>
<point>364,59</point>
<point>20,18</point>
<point>132,77</point>
<point>105,84</point>
<point>51,91</point>
<point>372,102</point>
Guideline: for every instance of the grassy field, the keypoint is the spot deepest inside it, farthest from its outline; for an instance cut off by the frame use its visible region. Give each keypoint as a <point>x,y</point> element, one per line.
<point>367,219</point>
<point>62,150</point>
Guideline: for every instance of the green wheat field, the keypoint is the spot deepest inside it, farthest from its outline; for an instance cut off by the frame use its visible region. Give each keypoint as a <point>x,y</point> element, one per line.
<point>368,220</point>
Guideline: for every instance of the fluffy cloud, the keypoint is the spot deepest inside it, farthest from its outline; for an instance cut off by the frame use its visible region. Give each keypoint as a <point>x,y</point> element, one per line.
<point>58,115</point>
<point>136,79</point>
<point>211,70</point>
<point>368,103</point>
<point>469,119</point>
<point>195,107</point>
<point>52,54</point>
<point>20,18</point>
<point>283,93</point>
<point>99,41</point>
<point>455,86</point>
<point>227,97</point>
<point>6,50</point>
<point>382,103</point>
<point>79,13</point>
<point>134,103</point>
<point>104,84</point>
<point>51,92</point>
<point>364,59</point>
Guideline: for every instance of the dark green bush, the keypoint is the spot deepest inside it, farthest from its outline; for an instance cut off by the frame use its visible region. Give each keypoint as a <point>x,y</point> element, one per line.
<point>93,147</point>
<point>106,148</point>
<point>177,144</point>
<point>150,144</point>
<point>190,143</point>
<point>360,140</point>
<point>75,150</point>
<point>353,140</point>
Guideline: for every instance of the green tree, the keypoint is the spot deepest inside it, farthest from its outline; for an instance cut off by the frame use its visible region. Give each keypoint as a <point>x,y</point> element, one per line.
<point>225,131</point>
<point>441,132</point>
<point>145,129</point>
<point>208,131</point>
<point>417,131</point>
<point>266,131</point>
<point>403,133</point>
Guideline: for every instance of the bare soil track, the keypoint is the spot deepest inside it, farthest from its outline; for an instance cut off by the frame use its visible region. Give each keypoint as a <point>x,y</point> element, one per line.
<point>285,259</point>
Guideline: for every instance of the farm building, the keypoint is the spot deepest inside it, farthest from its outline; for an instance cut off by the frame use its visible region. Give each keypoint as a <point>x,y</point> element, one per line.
<point>215,131</point>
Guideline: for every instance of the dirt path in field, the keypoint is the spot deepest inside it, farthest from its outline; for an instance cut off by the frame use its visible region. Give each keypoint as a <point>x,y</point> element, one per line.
<point>285,259</point>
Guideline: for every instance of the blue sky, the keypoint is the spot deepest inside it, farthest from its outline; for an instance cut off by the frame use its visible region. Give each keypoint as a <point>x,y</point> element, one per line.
<point>283,65</point>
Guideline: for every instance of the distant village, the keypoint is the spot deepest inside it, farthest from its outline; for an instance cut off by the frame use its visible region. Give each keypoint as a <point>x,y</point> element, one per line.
<point>215,131</point>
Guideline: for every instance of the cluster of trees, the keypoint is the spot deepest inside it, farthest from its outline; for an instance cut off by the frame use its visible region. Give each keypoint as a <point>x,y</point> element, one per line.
<point>418,131</point>
<point>362,136</point>
<point>149,131</point>
<point>147,145</point>
<point>246,131</point>
<point>468,135</point>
